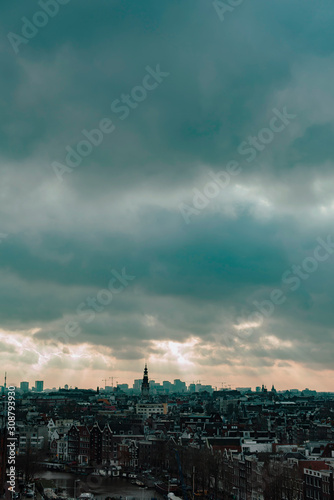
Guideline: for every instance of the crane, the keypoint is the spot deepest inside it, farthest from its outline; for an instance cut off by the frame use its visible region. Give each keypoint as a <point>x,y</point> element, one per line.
<point>106,379</point>
<point>227,386</point>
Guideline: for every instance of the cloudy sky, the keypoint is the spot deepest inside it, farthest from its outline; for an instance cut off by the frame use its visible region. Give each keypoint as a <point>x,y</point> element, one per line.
<point>111,253</point>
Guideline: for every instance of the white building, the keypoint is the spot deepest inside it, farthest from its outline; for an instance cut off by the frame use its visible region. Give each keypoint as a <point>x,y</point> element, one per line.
<point>147,409</point>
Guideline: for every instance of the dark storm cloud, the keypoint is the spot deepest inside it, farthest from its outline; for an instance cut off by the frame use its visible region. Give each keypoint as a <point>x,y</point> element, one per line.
<point>65,79</point>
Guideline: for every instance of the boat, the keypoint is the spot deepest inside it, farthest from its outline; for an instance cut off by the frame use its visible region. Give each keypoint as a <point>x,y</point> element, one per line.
<point>164,488</point>
<point>172,496</point>
<point>84,470</point>
<point>62,495</point>
<point>86,496</point>
<point>50,494</point>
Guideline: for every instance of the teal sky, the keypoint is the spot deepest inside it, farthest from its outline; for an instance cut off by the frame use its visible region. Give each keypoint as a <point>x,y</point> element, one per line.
<point>199,266</point>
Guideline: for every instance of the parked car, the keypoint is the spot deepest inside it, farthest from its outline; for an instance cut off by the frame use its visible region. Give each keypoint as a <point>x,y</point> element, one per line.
<point>86,496</point>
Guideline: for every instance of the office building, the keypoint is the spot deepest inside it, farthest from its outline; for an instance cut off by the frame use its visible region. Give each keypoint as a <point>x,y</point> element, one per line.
<point>39,385</point>
<point>24,386</point>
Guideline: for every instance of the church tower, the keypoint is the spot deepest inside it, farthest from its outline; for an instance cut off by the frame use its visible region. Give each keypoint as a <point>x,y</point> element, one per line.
<point>145,386</point>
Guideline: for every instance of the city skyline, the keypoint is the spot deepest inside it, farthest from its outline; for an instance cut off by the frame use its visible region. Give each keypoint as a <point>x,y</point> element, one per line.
<point>136,384</point>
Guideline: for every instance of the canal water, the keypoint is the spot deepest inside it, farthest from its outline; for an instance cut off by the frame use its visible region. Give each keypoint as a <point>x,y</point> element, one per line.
<point>118,487</point>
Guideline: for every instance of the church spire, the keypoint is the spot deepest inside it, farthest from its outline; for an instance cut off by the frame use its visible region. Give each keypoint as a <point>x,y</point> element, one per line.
<point>145,386</point>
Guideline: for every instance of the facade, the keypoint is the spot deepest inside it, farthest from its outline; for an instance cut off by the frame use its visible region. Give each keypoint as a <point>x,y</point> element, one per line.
<point>167,386</point>
<point>24,386</point>
<point>108,455</point>
<point>84,444</point>
<point>79,444</point>
<point>127,453</point>
<point>318,485</point>
<point>31,438</point>
<point>148,409</point>
<point>39,385</point>
<point>179,386</point>
<point>62,448</point>
<point>96,435</point>
<point>137,385</point>
<point>73,443</point>
<point>145,452</point>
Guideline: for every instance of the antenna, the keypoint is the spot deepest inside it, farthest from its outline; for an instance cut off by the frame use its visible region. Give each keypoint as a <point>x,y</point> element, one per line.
<point>5,380</point>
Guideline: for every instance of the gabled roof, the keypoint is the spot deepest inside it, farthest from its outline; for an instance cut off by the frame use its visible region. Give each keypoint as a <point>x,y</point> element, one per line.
<point>328,451</point>
<point>106,428</point>
<point>316,465</point>
<point>95,426</point>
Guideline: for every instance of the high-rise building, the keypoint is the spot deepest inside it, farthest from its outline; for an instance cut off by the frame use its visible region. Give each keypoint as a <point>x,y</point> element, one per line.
<point>167,386</point>
<point>179,386</point>
<point>145,386</point>
<point>39,384</point>
<point>123,387</point>
<point>243,390</point>
<point>155,387</point>
<point>137,384</point>
<point>24,386</point>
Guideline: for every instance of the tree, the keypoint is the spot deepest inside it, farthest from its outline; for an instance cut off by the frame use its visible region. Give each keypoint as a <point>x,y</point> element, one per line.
<point>30,463</point>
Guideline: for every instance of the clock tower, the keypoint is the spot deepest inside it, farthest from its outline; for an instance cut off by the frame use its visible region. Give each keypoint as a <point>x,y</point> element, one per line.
<point>145,386</point>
